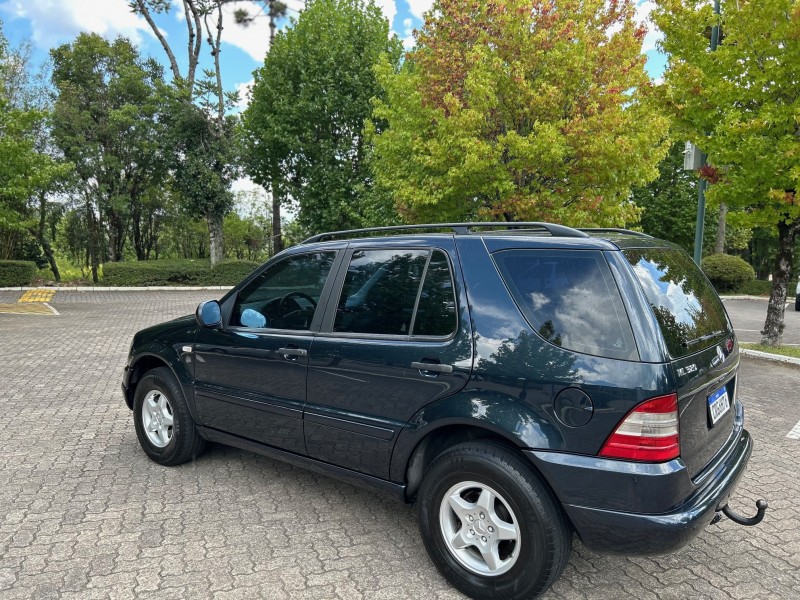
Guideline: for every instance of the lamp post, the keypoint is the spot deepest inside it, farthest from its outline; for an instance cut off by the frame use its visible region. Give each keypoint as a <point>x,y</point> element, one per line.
<point>701,188</point>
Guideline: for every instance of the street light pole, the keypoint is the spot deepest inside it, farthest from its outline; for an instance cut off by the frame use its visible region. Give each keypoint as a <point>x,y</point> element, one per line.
<point>701,188</point>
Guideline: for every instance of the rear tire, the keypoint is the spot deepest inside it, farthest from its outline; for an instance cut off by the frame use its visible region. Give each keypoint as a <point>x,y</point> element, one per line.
<point>490,525</point>
<point>164,426</point>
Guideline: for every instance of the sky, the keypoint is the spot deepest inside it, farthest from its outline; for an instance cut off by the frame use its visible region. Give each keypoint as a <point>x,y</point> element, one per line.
<point>49,23</point>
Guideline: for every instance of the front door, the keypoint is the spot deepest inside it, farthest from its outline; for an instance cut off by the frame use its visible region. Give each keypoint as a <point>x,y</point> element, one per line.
<point>250,375</point>
<point>395,338</point>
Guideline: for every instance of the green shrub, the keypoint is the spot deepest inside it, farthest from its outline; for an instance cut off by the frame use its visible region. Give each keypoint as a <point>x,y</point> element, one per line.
<point>16,272</point>
<point>231,272</point>
<point>175,273</point>
<point>727,272</point>
<point>757,287</point>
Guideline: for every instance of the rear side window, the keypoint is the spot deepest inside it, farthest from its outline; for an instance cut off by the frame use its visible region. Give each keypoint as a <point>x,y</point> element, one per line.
<point>570,298</point>
<point>688,310</point>
<point>384,294</point>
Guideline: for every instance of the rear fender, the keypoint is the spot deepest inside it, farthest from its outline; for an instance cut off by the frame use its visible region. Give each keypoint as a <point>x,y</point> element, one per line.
<point>498,415</point>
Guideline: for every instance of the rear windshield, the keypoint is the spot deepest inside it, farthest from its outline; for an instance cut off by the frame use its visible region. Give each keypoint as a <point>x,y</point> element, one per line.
<point>688,309</point>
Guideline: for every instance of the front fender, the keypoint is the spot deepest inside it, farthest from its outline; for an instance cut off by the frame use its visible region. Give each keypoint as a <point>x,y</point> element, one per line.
<point>156,353</point>
<point>511,418</point>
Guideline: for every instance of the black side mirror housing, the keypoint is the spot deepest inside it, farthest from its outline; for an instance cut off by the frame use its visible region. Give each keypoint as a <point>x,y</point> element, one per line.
<point>209,314</point>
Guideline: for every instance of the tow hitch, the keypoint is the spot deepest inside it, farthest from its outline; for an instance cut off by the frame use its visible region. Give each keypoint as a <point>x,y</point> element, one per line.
<point>761,509</point>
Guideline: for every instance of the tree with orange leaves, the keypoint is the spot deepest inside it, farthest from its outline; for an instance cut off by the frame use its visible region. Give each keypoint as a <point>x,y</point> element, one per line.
<point>520,109</point>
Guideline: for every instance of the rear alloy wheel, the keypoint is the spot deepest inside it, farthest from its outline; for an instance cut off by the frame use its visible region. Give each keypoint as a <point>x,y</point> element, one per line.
<point>490,525</point>
<point>164,426</point>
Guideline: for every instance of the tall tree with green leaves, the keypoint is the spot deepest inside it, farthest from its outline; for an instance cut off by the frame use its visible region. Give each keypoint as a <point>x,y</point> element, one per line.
<point>741,105</point>
<point>105,123</point>
<point>520,109</point>
<point>304,127</point>
<point>30,170</point>
<point>204,147</point>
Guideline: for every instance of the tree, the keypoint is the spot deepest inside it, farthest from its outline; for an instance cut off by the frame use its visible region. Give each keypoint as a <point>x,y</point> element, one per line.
<point>669,203</point>
<point>520,109</point>
<point>740,106</point>
<point>204,164</point>
<point>304,127</point>
<point>105,122</point>
<point>30,168</point>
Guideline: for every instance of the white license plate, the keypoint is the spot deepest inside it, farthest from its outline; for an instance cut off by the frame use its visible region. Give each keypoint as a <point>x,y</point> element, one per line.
<point>718,405</point>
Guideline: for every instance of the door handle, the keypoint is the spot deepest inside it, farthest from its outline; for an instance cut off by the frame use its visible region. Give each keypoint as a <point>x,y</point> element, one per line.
<point>432,367</point>
<point>292,353</point>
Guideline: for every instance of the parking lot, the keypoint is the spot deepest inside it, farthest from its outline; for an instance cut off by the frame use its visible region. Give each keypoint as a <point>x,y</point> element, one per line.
<point>84,514</point>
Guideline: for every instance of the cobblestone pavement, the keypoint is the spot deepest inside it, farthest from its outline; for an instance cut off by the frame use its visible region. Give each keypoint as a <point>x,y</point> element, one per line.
<point>84,514</point>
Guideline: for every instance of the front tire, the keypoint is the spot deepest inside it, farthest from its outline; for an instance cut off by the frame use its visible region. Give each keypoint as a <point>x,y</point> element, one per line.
<point>164,426</point>
<point>490,525</point>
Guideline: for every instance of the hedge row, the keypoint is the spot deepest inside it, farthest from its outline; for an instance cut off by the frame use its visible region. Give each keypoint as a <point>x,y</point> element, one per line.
<point>16,272</point>
<point>176,272</point>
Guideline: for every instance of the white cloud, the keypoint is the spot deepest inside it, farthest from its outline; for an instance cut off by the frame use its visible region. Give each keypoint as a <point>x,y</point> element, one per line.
<point>55,22</point>
<point>643,10</point>
<point>389,9</point>
<point>244,93</point>
<point>419,7</point>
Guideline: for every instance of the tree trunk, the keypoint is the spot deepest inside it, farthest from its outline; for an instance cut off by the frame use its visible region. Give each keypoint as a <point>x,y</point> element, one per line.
<point>215,239</point>
<point>719,246</point>
<point>41,236</point>
<point>277,239</point>
<point>772,335</point>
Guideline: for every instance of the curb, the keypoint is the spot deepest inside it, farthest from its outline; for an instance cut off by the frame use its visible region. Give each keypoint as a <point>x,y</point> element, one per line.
<point>153,288</point>
<point>789,360</point>
<point>745,297</point>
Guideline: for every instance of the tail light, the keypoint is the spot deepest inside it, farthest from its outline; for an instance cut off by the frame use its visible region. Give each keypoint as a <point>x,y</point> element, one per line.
<point>649,433</point>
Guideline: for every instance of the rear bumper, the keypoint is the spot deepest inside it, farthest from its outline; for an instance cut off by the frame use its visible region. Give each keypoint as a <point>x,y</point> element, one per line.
<point>633,530</point>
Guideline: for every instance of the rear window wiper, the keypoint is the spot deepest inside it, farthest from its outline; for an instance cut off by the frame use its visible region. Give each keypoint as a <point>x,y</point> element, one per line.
<point>703,338</point>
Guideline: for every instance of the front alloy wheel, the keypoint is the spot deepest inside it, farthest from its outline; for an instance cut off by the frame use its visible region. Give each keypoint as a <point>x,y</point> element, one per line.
<point>157,418</point>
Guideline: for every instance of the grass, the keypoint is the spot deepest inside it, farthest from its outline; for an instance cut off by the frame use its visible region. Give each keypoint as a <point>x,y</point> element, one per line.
<point>793,351</point>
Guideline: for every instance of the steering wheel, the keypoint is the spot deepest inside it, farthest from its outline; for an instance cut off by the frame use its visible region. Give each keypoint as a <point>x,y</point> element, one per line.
<point>302,295</point>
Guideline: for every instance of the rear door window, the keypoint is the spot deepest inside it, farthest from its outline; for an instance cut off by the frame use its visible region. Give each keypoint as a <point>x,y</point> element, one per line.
<point>397,292</point>
<point>688,310</point>
<point>571,299</point>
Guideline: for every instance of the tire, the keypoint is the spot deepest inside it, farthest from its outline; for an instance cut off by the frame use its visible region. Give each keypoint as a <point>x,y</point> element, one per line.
<point>467,476</point>
<point>164,426</point>
<point>797,302</point>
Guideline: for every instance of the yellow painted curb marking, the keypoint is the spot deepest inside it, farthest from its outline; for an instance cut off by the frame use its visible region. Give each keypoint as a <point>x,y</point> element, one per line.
<point>38,295</point>
<point>27,309</point>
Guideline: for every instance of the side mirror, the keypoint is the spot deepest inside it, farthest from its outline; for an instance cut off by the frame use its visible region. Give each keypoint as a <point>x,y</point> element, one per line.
<point>209,314</point>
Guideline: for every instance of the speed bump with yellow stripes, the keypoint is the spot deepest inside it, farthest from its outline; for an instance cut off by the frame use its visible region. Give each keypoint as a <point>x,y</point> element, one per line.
<point>32,302</point>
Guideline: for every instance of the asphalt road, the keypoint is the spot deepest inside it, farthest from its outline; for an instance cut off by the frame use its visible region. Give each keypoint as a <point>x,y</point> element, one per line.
<point>748,320</point>
<point>84,514</point>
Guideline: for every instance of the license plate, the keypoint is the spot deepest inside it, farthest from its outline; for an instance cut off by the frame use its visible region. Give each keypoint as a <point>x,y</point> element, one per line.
<point>718,405</point>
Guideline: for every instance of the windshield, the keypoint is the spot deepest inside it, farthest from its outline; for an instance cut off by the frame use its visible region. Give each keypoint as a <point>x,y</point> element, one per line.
<point>689,312</point>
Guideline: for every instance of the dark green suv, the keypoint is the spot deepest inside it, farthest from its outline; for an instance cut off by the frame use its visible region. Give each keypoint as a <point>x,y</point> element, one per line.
<point>520,384</point>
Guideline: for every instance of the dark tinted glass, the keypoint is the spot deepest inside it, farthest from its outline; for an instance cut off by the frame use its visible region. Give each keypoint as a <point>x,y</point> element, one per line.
<point>571,299</point>
<point>284,296</point>
<point>436,311</point>
<point>688,309</point>
<point>379,292</point>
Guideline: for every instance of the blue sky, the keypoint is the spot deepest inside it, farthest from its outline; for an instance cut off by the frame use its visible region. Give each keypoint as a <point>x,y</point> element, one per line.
<point>48,23</point>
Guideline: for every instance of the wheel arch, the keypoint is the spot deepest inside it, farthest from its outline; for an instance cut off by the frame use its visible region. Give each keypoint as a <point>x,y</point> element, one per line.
<point>152,358</point>
<point>468,417</point>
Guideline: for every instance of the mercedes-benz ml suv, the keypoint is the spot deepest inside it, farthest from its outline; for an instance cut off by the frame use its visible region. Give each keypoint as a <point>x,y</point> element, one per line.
<point>520,385</point>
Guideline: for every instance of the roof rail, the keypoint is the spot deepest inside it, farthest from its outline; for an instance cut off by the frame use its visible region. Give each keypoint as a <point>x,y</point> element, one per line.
<point>615,230</point>
<point>457,228</point>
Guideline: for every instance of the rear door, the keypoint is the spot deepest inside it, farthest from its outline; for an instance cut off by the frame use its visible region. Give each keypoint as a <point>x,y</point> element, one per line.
<point>702,347</point>
<point>395,337</point>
